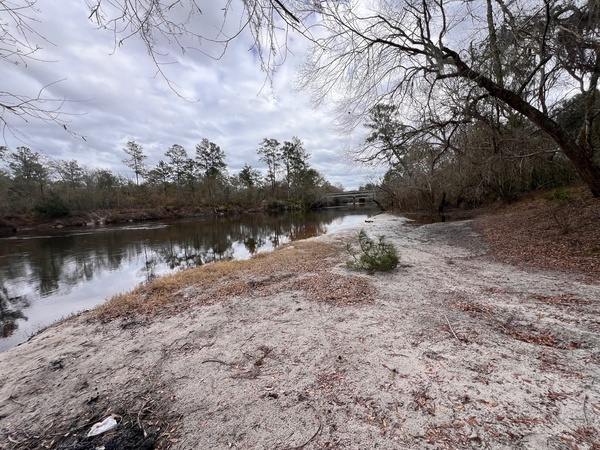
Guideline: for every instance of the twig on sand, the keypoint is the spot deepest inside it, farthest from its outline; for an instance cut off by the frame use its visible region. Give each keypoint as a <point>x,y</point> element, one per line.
<point>451,329</point>
<point>13,400</point>
<point>391,369</point>
<point>313,436</point>
<point>218,361</point>
<point>141,425</point>
<point>246,341</point>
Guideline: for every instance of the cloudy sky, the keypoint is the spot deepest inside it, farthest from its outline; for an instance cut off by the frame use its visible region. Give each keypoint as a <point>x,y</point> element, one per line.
<point>113,95</point>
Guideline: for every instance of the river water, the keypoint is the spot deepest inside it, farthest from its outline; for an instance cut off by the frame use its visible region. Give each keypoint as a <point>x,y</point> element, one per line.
<point>47,276</point>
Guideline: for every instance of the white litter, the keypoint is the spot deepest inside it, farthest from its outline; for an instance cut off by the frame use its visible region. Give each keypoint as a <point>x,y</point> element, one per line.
<point>101,427</point>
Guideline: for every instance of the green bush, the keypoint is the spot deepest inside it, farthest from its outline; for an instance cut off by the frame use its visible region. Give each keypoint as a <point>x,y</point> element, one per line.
<point>373,256</point>
<point>559,195</point>
<point>53,207</point>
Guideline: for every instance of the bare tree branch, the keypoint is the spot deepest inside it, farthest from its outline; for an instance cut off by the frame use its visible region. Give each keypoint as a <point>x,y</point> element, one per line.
<point>513,55</point>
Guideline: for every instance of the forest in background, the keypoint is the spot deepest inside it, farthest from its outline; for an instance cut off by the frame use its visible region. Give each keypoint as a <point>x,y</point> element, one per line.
<point>461,166</point>
<point>33,183</point>
<point>467,164</point>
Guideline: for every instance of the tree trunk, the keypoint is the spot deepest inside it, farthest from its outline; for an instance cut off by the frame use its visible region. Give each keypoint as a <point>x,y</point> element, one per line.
<point>583,162</point>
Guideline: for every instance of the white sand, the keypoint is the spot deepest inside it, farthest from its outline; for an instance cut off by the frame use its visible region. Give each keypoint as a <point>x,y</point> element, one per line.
<point>455,351</point>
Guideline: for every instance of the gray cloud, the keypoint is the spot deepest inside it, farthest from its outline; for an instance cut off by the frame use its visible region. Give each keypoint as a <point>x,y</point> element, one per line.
<point>114,95</point>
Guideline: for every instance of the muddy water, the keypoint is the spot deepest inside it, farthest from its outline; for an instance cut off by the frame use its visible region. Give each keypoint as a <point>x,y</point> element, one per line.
<point>44,277</point>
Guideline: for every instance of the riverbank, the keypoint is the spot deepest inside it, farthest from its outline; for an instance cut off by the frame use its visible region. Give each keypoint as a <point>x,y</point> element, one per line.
<point>11,225</point>
<point>458,349</point>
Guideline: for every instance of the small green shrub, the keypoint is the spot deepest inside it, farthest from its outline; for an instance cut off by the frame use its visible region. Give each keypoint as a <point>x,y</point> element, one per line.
<point>592,251</point>
<point>53,207</point>
<point>373,256</point>
<point>559,195</point>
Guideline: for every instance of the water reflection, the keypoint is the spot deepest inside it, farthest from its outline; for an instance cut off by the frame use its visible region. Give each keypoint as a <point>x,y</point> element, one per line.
<point>46,277</point>
<point>10,311</point>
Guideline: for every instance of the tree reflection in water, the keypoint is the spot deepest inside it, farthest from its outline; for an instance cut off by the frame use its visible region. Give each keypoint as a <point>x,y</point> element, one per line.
<point>80,269</point>
<point>10,311</point>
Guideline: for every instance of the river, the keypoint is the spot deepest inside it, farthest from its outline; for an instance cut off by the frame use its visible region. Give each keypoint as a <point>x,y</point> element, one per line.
<point>47,276</point>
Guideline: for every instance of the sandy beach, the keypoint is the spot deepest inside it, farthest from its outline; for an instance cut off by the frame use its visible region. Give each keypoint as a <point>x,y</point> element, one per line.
<point>453,349</point>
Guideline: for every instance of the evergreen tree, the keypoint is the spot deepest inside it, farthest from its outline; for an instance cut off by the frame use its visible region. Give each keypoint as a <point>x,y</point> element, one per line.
<point>160,175</point>
<point>211,159</point>
<point>249,177</point>
<point>270,154</point>
<point>295,162</point>
<point>136,160</point>
<point>29,172</point>
<point>178,165</point>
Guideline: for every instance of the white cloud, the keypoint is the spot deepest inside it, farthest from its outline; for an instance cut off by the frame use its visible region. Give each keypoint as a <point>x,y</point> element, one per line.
<point>114,95</point>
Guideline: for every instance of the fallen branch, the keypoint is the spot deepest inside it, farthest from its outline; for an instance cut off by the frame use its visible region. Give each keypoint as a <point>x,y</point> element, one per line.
<point>13,400</point>
<point>246,341</point>
<point>313,436</point>
<point>218,361</point>
<point>140,424</point>
<point>448,322</point>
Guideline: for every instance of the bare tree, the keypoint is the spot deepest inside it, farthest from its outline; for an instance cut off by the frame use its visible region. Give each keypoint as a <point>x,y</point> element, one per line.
<point>18,46</point>
<point>163,24</point>
<point>160,25</point>
<point>451,59</point>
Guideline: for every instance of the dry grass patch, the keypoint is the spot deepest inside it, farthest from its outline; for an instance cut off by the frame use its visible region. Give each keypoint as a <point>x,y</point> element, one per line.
<point>214,282</point>
<point>335,289</point>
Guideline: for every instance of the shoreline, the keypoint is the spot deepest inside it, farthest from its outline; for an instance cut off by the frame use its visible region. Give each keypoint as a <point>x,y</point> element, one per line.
<point>27,222</point>
<point>15,224</point>
<point>293,350</point>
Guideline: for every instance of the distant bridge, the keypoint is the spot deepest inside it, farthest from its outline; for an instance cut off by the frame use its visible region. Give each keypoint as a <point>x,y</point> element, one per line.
<point>351,196</point>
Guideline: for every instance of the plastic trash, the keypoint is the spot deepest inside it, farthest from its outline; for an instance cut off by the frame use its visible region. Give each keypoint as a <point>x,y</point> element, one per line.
<point>101,427</point>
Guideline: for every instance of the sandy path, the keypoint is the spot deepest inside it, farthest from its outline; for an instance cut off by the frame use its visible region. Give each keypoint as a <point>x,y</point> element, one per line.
<point>455,351</point>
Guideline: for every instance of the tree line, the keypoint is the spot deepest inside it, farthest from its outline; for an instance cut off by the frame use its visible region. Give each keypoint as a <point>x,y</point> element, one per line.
<point>31,181</point>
